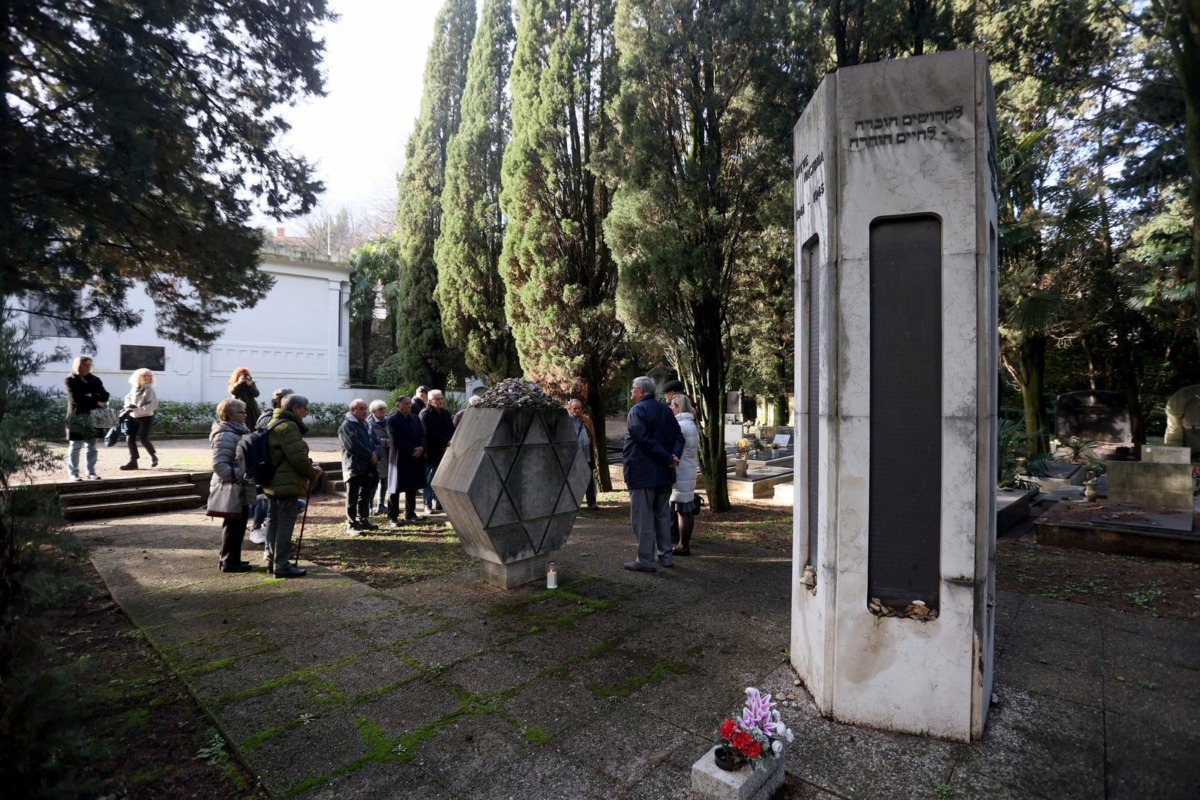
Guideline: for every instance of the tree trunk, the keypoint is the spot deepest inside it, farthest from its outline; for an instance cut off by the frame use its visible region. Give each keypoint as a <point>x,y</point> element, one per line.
<point>595,403</point>
<point>1033,371</point>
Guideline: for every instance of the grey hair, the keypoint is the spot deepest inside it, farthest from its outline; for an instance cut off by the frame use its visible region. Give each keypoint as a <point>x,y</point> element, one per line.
<point>434,394</point>
<point>645,383</point>
<point>356,402</point>
<point>294,401</point>
<point>376,404</point>
<point>475,400</point>
<point>278,395</point>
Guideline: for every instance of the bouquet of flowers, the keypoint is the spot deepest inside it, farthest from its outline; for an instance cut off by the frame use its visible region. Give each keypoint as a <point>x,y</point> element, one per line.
<point>758,733</point>
<point>743,446</point>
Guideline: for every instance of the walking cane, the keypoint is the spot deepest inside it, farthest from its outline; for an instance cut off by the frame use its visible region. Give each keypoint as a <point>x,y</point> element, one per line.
<point>303,519</point>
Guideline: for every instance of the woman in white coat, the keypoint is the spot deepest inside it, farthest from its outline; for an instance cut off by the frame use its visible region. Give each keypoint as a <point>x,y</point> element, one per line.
<point>230,492</point>
<point>683,495</point>
<point>140,405</point>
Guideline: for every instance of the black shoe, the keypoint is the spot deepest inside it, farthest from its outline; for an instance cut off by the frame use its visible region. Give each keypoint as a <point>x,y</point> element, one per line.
<point>130,465</point>
<point>680,550</point>
<point>593,507</point>
<point>394,522</point>
<point>637,566</point>
<point>290,572</point>
<point>367,525</point>
<point>153,460</point>
<point>412,518</point>
<point>240,566</point>
<point>666,562</point>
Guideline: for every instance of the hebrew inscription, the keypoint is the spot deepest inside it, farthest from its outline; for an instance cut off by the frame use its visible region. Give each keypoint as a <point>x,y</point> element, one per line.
<point>901,128</point>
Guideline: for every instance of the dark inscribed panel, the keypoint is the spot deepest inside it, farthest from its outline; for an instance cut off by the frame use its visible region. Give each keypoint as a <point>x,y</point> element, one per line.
<point>812,374</point>
<point>906,410</point>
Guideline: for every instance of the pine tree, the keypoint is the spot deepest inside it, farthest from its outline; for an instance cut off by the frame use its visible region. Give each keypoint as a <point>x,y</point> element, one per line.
<point>136,140</point>
<point>470,292</point>
<point>709,91</point>
<point>561,278</point>
<point>423,352</point>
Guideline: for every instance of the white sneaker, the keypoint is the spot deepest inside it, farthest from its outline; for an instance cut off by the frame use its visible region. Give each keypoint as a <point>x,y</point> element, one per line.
<point>258,535</point>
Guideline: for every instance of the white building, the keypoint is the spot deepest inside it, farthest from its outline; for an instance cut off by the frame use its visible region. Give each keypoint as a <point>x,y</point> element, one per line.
<point>298,336</point>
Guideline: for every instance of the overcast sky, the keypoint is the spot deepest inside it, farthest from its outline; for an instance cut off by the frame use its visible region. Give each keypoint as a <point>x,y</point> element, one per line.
<point>374,67</point>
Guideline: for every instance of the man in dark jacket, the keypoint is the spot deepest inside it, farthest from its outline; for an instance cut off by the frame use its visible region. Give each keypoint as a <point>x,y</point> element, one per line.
<point>406,470</point>
<point>358,467</point>
<point>294,473</point>
<point>652,449</point>
<point>437,426</point>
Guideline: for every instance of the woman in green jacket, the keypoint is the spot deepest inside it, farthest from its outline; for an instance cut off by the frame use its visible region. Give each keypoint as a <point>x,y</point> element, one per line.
<point>294,473</point>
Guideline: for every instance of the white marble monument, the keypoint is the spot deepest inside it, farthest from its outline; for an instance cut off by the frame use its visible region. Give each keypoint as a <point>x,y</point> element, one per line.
<point>895,516</point>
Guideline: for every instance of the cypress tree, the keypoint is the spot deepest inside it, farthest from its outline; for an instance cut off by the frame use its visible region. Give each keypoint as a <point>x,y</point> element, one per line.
<point>709,92</point>
<point>470,292</point>
<point>561,278</point>
<point>424,355</point>
<point>136,142</point>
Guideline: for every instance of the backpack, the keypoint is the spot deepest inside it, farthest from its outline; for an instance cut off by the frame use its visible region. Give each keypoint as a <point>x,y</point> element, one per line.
<point>255,450</point>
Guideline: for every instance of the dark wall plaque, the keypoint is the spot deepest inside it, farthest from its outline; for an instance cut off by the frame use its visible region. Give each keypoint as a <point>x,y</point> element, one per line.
<point>136,356</point>
<point>906,411</point>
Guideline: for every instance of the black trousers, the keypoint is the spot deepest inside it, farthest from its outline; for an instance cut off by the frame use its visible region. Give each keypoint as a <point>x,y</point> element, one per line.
<point>138,428</point>
<point>233,530</point>
<point>410,505</point>
<point>359,489</point>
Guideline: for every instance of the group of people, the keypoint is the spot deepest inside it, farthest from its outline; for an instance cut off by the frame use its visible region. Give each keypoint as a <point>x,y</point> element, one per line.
<point>85,396</point>
<point>660,463</point>
<point>285,477</point>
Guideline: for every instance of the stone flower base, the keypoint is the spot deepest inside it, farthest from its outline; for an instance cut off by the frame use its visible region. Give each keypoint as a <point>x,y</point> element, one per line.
<point>711,782</point>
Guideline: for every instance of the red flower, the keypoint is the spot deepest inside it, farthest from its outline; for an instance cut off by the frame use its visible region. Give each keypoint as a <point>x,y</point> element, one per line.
<point>754,750</point>
<point>727,729</point>
<point>742,741</point>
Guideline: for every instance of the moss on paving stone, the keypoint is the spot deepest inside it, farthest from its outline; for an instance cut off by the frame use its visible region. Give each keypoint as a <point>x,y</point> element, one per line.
<point>656,674</point>
<point>211,666</point>
<point>305,675</point>
<point>536,735</point>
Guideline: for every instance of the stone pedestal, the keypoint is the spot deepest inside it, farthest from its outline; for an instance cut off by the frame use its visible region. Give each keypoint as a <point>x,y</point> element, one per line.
<point>710,782</point>
<point>1150,483</point>
<point>896,344</point>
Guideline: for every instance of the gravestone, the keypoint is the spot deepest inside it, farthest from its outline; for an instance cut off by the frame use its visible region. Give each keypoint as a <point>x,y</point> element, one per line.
<point>511,484</point>
<point>1183,419</point>
<point>896,340</point>
<point>1096,416</point>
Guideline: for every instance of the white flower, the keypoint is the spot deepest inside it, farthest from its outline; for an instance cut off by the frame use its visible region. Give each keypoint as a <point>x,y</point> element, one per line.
<point>775,714</point>
<point>790,737</point>
<point>750,690</point>
<point>777,747</point>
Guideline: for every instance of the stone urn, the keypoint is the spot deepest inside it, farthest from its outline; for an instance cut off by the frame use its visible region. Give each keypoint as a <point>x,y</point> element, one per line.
<point>511,483</point>
<point>739,467</point>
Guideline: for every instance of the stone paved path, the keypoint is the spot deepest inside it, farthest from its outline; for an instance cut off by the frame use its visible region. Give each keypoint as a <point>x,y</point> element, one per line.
<point>614,684</point>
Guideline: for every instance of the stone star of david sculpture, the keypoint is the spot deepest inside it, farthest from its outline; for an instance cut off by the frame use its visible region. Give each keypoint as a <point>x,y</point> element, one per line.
<point>511,484</point>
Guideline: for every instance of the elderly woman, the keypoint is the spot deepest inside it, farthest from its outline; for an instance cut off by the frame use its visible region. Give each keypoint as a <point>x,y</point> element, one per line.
<point>683,494</point>
<point>85,393</point>
<point>140,404</point>
<point>230,493</point>
<point>379,430</point>
<point>242,386</point>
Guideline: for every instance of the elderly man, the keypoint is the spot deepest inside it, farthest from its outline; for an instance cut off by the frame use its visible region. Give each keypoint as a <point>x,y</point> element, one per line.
<point>358,466</point>
<point>406,470</point>
<point>652,450</point>
<point>585,434</point>
<point>420,399</point>
<point>378,422</point>
<point>294,474</point>
<point>437,426</point>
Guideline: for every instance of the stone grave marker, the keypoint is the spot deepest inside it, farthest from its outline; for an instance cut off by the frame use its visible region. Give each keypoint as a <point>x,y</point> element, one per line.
<point>1092,415</point>
<point>1183,419</point>
<point>895,518</point>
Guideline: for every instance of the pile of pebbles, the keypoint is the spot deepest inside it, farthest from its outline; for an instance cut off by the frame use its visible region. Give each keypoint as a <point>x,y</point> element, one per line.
<point>517,393</point>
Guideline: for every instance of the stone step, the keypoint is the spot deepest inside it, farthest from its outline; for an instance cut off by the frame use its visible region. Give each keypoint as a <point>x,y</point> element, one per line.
<point>136,480</point>
<point>129,508</point>
<point>117,494</point>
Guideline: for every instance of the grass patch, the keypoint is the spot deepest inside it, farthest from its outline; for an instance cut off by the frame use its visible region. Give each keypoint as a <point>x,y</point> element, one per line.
<point>536,735</point>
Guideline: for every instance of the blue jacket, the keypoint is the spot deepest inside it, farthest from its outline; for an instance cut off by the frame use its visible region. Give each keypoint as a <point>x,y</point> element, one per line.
<point>653,441</point>
<point>358,445</point>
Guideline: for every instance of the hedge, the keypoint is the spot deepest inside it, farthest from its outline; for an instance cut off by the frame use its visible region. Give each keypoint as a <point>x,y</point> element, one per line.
<point>185,420</point>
